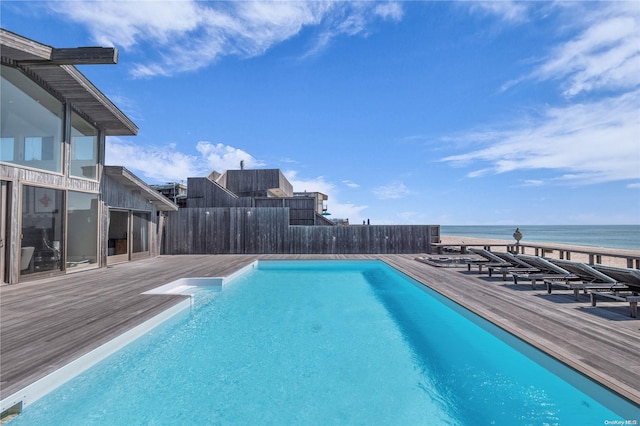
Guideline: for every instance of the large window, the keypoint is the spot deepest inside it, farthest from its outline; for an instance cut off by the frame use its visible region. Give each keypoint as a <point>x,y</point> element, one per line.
<point>6,149</point>
<point>42,219</point>
<point>31,123</point>
<point>82,230</point>
<point>84,148</point>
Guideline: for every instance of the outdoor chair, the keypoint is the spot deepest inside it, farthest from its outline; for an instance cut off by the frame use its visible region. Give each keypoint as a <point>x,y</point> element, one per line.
<point>628,276</point>
<point>590,278</point>
<point>489,261</point>
<point>545,270</point>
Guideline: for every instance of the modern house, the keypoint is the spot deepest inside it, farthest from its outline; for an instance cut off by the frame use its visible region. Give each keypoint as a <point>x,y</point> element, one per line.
<point>61,208</point>
<point>176,192</point>
<point>256,211</point>
<point>256,188</point>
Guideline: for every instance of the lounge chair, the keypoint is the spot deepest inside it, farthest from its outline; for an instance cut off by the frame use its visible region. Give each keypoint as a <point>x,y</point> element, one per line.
<point>590,278</point>
<point>624,275</point>
<point>545,270</point>
<point>502,261</point>
<point>517,266</point>
<point>513,259</point>
<point>444,262</point>
<point>628,276</point>
<point>489,261</point>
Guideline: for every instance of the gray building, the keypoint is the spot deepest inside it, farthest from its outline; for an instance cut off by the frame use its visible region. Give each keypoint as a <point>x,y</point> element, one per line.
<point>256,211</point>
<point>61,208</point>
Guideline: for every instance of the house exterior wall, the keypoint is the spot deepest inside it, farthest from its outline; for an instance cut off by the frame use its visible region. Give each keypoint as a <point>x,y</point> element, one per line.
<point>40,158</point>
<point>205,193</point>
<point>17,178</point>
<point>53,128</point>
<point>116,196</point>
<point>256,182</point>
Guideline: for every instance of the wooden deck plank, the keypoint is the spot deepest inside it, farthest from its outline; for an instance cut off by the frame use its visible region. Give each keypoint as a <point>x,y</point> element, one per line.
<point>47,323</point>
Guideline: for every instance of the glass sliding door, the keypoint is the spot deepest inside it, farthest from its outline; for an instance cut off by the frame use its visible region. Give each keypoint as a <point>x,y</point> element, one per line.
<point>118,242</point>
<point>4,185</point>
<point>140,233</point>
<point>128,235</point>
<point>42,230</point>
<point>82,230</point>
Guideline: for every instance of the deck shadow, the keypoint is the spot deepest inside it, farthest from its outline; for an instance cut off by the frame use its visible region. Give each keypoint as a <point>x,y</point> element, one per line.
<point>564,298</point>
<point>613,313</point>
<point>610,311</point>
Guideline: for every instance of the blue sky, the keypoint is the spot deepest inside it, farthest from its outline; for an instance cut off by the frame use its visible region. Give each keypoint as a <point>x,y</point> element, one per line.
<point>450,113</point>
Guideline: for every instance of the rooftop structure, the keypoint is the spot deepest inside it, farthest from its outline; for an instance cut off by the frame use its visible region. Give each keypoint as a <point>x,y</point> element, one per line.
<point>176,192</point>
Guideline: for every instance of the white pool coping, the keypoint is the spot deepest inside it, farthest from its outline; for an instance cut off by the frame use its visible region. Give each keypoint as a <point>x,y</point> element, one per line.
<point>187,286</point>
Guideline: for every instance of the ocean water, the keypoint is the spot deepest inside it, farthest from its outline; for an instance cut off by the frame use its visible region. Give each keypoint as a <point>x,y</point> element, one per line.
<point>612,236</point>
<point>327,343</point>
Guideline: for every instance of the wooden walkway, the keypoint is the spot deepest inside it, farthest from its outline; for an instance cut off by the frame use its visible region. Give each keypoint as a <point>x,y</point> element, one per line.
<point>47,323</point>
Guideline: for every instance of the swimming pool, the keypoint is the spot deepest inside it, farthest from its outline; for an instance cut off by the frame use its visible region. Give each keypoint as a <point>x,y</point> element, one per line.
<point>327,342</point>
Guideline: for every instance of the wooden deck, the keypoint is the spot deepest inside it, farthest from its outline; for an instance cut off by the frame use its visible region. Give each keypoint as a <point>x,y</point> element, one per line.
<point>48,323</point>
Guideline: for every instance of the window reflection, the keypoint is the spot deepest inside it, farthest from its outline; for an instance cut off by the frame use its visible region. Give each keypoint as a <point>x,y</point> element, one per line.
<point>84,148</point>
<point>82,230</point>
<point>140,232</point>
<point>41,248</point>
<point>6,149</point>
<point>31,125</point>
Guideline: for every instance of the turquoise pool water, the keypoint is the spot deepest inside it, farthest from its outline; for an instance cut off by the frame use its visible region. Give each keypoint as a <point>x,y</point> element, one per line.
<point>326,343</point>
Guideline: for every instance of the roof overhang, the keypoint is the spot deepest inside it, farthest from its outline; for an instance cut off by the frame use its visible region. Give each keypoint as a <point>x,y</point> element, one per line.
<point>277,192</point>
<point>55,69</point>
<point>127,179</point>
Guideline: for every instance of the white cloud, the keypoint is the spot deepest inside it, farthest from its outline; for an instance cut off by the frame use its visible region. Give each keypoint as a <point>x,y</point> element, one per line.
<point>155,163</point>
<point>533,182</point>
<point>124,23</point>
<point>318,184</point>
<point>337,208</point>
<point>391,10</point>
<point>604,55</point>
<point>514,11</point>
<point>166,163</point>
<point>589,142</point>
<point>350,184</point>
<point>392,191</point>
<point>188,35</point>
<point>220,157</point>
<point>586,143</point>
<point>633,185</point>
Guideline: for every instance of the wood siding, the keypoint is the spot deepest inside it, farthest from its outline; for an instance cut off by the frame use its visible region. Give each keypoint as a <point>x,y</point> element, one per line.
<point>255,183</point>
<point>116,195</point>
<point>18,176</point>
<point>204,192</point>
<point>266,230</point>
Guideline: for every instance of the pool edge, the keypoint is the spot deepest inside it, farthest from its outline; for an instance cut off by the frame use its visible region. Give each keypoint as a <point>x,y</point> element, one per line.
<point>41,387</point>
<point>617,387</point>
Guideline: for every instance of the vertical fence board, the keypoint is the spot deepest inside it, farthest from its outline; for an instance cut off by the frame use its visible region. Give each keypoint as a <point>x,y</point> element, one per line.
<point>251,230</point>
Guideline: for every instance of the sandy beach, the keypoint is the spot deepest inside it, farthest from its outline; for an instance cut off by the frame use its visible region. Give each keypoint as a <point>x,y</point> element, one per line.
<point>579,257</point>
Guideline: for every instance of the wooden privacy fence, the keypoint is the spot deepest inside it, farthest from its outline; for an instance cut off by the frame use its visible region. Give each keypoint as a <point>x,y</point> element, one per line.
<point>261,230</point>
